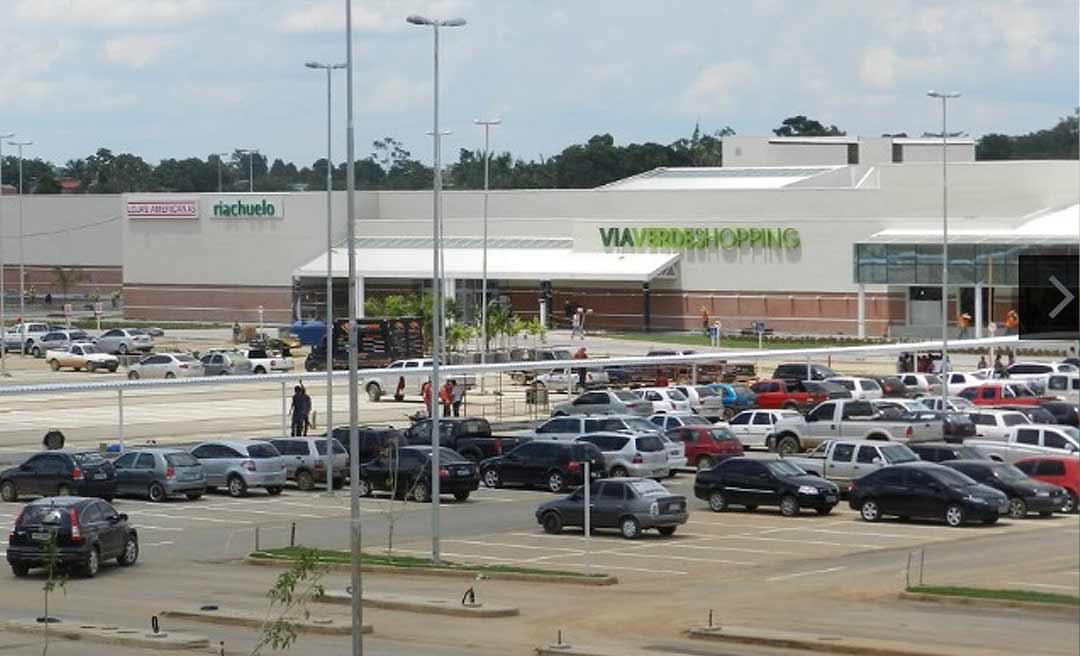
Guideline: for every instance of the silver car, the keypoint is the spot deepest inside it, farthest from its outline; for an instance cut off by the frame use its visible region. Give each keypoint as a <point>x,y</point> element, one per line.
<point>239,465</point>
<point>305,461</point>
<point>566,429</point>
<point>159,473</point>
<point>125,340</point>
<point>605,402</point>
<point>166,365</point>
<point>704,400</point>
<point>642,455</point>
<point>57,340</point>
<point>226,364</point>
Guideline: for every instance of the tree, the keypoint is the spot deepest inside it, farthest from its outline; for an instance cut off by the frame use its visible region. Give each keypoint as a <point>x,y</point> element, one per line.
<point>800,126</point>
<point>289,598</point>
<point>55,579</point>
<point>66,278</point>
<point>1058,142</point>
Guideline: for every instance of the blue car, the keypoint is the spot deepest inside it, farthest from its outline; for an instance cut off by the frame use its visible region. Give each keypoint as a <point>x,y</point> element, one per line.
<point>737,397</point>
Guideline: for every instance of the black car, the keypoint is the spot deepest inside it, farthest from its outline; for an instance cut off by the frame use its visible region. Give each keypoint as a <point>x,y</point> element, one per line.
<point>406,472</point>
<point>1063,412</point>
<point>1025,493</point>
<point>942,451</point>
<point>751,483</point>
<point>927,491</point>
<point>87,532</point>
<point>553,465</point>
<point>1036,413</point>
<point>956,426</point>
<point>60,473</point>
<point>374,440</point>
<point>628,504</point>
<point>803,371</point>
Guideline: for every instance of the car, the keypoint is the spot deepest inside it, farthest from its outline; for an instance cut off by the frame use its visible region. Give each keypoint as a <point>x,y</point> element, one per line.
<point>665,421</point>
<point>1065,387</point>
<point>925,490</point>
<point>843,460</point>
<point>1035,370</point>
<point>57,340</point>
<point>81,355</point>
<point>803,371</point>
<point>753,427</point>
<point>265,361</point>
<point>960,381</point>
<point>406,472</point>
<point>573,427</point>
<point>560,379</point>
<point>24,336</point>
<point>85,532</point>
<point>552,465</point>
<point>373,439</point>
<point>953,403</point>
<point>995,424</point>
<point>736,397</point>
<point>1063,412</point>
<point>225,363</point>
<point>898,405</point>
<point>922,383</point>
<point>305,461</point>
<point>865,389</point>
<point>1057,470</point>
<point>850,419</point>
<point>1025,494</point>
<point>704,446</point>
<point>1036,413</point>
<point>940,451</point>
<point>664,399</point>
<point>794,394</point>
<point>122,341</point>
<point>1031,439</point>
<point>752,483</point>
<point>469,436</point>
<point>158,473</point>
<point>605,402</point>
<point>631,505</point>
<point>406,375</point>
<point>892,387</point>
<point>631,455</point>
<point>1001,392</point>
<point>166,365</point>
<point>239,465</point>
<point>62,474</point>
<point>704,400</point>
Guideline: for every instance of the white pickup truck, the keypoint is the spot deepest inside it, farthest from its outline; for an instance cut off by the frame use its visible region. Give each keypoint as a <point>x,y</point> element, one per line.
<point>25,336</point>
<point>841,461</point>
<point>406,371</point>
<point>81,355</point>
<point>265,361</point>
<point>851,419</point>
<point>1030,440</point>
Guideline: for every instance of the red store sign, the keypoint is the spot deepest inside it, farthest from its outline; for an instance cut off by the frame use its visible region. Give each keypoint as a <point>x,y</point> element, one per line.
<point>163,209</point>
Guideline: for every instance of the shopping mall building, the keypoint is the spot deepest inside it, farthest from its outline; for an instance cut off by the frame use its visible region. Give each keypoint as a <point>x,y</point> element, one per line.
<point>824,235</point>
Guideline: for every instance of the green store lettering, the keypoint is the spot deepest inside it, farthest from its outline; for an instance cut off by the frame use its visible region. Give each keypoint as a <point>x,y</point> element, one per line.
<point>701,238</point>
<point>240,209</point>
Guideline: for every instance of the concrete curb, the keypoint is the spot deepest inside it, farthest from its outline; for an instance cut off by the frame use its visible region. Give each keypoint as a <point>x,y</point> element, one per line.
<point>412,604</point>
<point>831,644</point>
<point>976,602</point>
<point>111,635</point>
<point>568,650</point>
<point>606,579</point>
<point>315,625</point>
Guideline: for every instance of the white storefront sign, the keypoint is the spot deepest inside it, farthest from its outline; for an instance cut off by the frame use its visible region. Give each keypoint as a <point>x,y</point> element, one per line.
<point>163,209</point>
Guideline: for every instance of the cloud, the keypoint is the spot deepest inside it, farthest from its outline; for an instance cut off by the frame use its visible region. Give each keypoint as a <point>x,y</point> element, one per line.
<point>377,16</point>
<point>878,67</point>
<point>137,51</point>
<point>91,14</point>
<point>393,95</point>
<point>714,87</point>
<point>1024,33</point>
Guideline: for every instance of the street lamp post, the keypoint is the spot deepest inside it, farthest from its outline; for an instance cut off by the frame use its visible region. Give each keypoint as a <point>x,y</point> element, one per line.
<point>251,153</point>
<point>436,332</point>
<point>22,273</point>
<point>488,124</point>
<point>219,158</point>
<point>3,289</point>
<point>329,68</point>
<point>944,96</point>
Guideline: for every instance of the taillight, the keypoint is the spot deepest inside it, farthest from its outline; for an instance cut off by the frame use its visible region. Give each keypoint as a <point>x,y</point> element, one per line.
<point>76,532</point>
<point>444,472</point>
<point>498,447</point>
<point>76,474</point>
<point>170,473</point>
<point>248,465</point>
<point>15,525</point>
<point>851,487</point>
<point>638,459</point>
<point>573,466</point>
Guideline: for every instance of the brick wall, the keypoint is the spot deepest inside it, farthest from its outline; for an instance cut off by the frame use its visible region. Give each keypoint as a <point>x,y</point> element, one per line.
<point>207,303</point>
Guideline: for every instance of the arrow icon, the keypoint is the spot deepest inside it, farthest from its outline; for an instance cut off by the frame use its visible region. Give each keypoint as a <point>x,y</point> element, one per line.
<point>1064,292</point>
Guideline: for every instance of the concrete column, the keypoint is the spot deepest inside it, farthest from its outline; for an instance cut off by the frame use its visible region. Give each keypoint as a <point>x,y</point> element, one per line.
<point>359,298</point>
<point>862,311</point>
<point>978,310</point>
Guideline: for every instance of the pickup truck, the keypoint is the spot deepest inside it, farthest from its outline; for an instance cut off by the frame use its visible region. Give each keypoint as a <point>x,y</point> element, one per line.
<point>780,394</point>
<point>81,355</point>
<point>841,461</point>
<point>1003,393</point>
<point>850,419</point>
<point>1031,440</point>
<point>263,361</point>
<point>25,336</point>
<point>381,385</point>
<point>469,436</point>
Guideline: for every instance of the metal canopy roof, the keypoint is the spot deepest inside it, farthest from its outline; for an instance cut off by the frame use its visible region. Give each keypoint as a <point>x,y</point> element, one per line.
<point>1046,227</point>
<point>717,178</point>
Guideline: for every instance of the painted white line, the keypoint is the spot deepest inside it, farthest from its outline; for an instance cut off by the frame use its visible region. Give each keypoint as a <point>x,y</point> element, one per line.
<point>1044,585</point>
<point>144,527</point>
<point>798,574</point>
<point>510,545</point>
<point>155,544</point>
<point>848,545</point>
<point>686,558</point>
<point>211,520</point>
<point>831,532</point>
<point>705,547</point>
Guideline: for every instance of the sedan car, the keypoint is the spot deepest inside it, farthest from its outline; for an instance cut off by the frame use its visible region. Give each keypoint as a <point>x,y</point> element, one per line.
<point>926,491</point>
<point>125,340</point>
<point>406,472</point>
<point>605,402</point>
<point>752,483</point>
<point>86,532</point>
<point>552,465</point>
<point>1063,471</point>
<point>166,365</point>
<point>239,465</point>
<point>57,340</point>
<point>157,474</point>
<point>226,363</point>
<point>631,505</point>
<point>1025,494</point>
<point>1063,412</point>
<point>60,473</point>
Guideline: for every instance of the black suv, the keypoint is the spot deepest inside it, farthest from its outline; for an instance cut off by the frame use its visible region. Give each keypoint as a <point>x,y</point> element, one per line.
<point>406,472</point>
<point>752,483</point>
<point>553,465</point>
<point>87,532</point>
<point>803,371</point>
<point>60,473</point>
<point>940,451</point>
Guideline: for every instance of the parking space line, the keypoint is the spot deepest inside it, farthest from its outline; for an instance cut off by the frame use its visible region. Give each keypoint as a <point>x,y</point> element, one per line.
<point>144,527</point>
<point>509,545</point>
<point>831,532</point>
<point>823,543</point>
<point>798,574</point>
<point>155,544</point>
<point>212,520</point>
<point>719,548</point>
<point>686,558</point>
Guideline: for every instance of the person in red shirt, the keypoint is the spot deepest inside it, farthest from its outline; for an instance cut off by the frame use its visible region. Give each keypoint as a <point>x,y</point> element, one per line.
<point>446,395</point>
<point>425,391</point>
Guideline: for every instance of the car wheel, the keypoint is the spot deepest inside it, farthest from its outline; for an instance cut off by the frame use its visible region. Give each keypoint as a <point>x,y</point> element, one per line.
<point>461,495</point>
<point>133,375</point>
<point>630,528</point>
<point>305,480</point>
<point>36,351</point>
<point>122,349</point>
<point>824,510</point>
<point>789,506</point>
<point>492,478</point>
<point>274,490</point>
<point>374,392</point>
<point>156,493</point>
<point>552,523</point>
<point>20,569</point>
<point>131,552</point>
<point>619,472</point>
<point>338,483</point>
<point>194,496</point>
<point>704,462</point>
<point>421,492</point>
<point>787,446</point>
<point>717,501</point>
<point>870,511</point>
<point>93,563</point>
<point>260,370</point>
<point>63,491</point>
<point>363,488</point>
<point>666,531</point>
<point>1017,508</point>
<point>54,365</point>
<point>169,375</point>
<point>237,487</point>
<point>556,482</point>
<point>954,515</point>
<point>112,368</point>
<point>1070,505</point>
<point>90,367</point>
<point>8,492</point>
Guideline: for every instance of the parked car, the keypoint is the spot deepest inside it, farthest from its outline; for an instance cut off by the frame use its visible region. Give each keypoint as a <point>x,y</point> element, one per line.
<point>843,460</point>
<point>86,532</point>
<point>1035,370</point>
<point>664,399</point>
<point>62,474</point>
<point>158,473</point>
<point>892,387</point>
<point>305,461</point>
<point>631,505</point>
<point>225,363</point>
<point>552,465</point>
<point>847,419</point>
<point>953,403</point>
<point>803,371</point>
<point>25,335</point>
<point>631,455</point>
<point>1036,413</point>
<point>605,402</point>
<point>563,378</point>
<point>166,365</point>
<point>863,389</point>
<point>125,340</point>
<point>265,361</point>
<point>58,340</point>
<point>736,397</point>
<point>81,355</point>
<point>898,405</point>
<point>704,446</point>
<point>753,427</point>
<point>665,421</point>
<point>406,472</point>
<point>704,400</point>
<point>752,483</point>
<point>1025,494</point>
<point>941,451</point>
<point>469,436</point>
<point>999,393</point>
<point>794,395</point>
<point>922,384</point>
<point>1063,412</point>
<point>925,490</point>
<point>374,440</point>
<point>994,424</point>
<point>1056,470</point>
<point>1031,439</point>
<point>239,465</point>
<point>960,381</point>
<point>574,426</point>
<point>1062,386</point>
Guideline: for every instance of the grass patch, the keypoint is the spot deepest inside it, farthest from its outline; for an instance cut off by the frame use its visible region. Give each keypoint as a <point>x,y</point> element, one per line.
<point>1003,595</point>
<point>409,562</point>
<point>740,342</point>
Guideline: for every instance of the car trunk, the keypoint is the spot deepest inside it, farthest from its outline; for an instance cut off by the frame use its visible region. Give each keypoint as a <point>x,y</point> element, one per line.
<point>671,505</point>
<point>92,467</point>
<point>38,524</point>
<point>266,458</point>
<point>185,467</point>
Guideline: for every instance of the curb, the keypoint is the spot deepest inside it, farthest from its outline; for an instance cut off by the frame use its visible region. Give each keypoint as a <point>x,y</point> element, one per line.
<point>606,579</point>
<point>112,635</point>
<point>314,625</point>
<point>830,644</point>
<point>568,650</point>
<point>419,605</point>
<point>976,602</point>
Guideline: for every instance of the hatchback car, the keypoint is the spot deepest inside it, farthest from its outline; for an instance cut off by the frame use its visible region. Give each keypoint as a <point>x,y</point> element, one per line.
<point>752,483</point>
<point>704,446</point>
<point>666,421</point>
<point>605,402</point>
<point>56,340</point>
<point>1063,471</point>
<point>552,465</point>
<point>664,399</point>
<point>704,400</point>
<point>122,341</point>
<point>571,428</point>
<point>753,427</point>
<point>166,365</point>
<point>926,491</point>
<point>226,364</point>
<point>1025,494</point>
<point>85,532</point>
<point>736,397</point>
<point>631,455</point>
<point>305,461</point>
<point>862,389</point>
<point>60,473</point>
<point>628,504</point>
<point>157,474</point>
<point>406,472</point>
<point>239,465</point>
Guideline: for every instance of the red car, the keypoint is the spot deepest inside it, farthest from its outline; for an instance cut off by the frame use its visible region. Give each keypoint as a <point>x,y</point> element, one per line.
<point>1003,394</point>
<point>779,394</point>
<point>707,445</point>
<point>1059,470</point>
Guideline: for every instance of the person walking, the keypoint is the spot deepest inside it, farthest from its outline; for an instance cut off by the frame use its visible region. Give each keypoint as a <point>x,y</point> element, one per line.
<point>425,393</point>
<point>999,367</point>
<point>575,325</point>
<point>236,332</point>
<point>582,374</point>
<point>301,406</point>
<point>457,396</point>
<point>445,397</point>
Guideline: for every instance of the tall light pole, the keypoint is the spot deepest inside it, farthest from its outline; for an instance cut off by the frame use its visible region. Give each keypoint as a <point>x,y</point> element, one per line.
<point>944,96</point>
<point>251,153</point>
<point>22,263</point>
<point>219,158</point>
<point>3,289</point>
<point>488,124</point>
<point>329,68</point>
<point>436,320</point>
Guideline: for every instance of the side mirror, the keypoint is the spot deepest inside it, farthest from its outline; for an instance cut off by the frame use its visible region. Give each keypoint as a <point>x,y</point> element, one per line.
<point>877,461</point>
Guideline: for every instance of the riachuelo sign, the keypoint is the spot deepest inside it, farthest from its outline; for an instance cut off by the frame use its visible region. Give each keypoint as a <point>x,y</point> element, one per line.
<point>700,238</point>
<point>242,207</point>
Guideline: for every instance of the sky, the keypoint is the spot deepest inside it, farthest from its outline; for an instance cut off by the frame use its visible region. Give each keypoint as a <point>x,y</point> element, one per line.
<point>180,78</point>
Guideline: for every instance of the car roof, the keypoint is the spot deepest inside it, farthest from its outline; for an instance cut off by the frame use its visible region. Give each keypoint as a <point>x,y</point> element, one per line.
<point>235,443</point>
<point>63,502</point>
<point>968,461</point>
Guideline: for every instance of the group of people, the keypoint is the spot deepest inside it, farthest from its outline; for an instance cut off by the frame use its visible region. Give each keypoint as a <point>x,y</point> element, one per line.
<point>300,411</point>
<point>451,397</point>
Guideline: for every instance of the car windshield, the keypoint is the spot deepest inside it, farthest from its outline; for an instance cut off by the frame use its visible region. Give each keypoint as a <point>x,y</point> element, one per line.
<point>785,468</point>
<point>639,425</point>
<point>676,395</point>
<point>952,477</point>
<point>320,447</point>
<point>649,488</point>
<point>262,451</point>
<point>933,379</point>
<point>705,392</point>
<point>722,433</point>
<point>969,453</point>
<point>180,459</point>
<point>447,456</point>
<point>741,390</point>
<point>696,421</point>
<point>623,395</point>
<point>1014,418</point>
<point>650,443</point>
<point>897,453</point>
<point>89,349</point>
<point>1010,473</point>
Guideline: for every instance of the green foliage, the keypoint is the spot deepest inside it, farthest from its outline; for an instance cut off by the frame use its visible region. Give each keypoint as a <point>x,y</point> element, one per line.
<point>458,335</point>
<point>1003,595</point>
<point>800,126</point>
<point>293,590</point>
<point>1058,142</point>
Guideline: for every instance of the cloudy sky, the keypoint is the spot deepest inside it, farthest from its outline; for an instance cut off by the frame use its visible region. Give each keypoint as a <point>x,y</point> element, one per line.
<point>176,78</point>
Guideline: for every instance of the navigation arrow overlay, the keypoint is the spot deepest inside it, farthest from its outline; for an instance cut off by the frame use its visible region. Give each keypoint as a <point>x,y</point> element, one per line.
<point>1069,296</point>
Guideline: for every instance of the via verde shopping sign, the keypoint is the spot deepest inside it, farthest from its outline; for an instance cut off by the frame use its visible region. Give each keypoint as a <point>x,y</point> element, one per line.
<point>248,207</point>
<point>727,238</point>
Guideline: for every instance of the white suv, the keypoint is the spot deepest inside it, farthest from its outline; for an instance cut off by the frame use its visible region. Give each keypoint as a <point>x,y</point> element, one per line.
<point>664,399</point>
<point>862,389</point>
<point>996,424</point>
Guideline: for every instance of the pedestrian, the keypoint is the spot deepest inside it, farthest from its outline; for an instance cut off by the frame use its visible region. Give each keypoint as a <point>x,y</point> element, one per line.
<point>425,393</point>
<point>1012,358</point>
<point>457,396</point>
<point>999,367</point>
<point>963,322</point>
<point>982,362</point>
<point>48,298</point>
<point>1072,352</point>
<point>308,414</point>
<point>399,392</point>
<point>446,392</point>
<point>575,324</point>
<point>582,374</point>
<point>705,320</point>
<point>901,360</point>
<point>301,405</point>
<point>236,332</point>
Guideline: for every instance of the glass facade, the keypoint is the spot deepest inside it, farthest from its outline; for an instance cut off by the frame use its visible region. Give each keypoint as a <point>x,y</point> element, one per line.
<point>920,264</point>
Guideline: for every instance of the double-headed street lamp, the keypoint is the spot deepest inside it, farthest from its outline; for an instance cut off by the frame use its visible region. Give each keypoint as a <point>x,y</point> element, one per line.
<point>22,273</point>
<point>944,96</point>
<point>251,153</point>
<point>436,332</point>
<point>3,318</point>
<point>488,124</point>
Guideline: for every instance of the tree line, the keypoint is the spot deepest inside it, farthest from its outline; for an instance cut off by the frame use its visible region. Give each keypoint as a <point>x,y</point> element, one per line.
<point>390,166</point>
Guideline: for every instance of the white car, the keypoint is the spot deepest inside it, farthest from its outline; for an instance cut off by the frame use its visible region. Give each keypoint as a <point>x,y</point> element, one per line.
<point>664,399</point>
<point>558,379</point>
<point>862,389</point>
<point>265,361</point>
<point>904,405</point>
<point>924,384</point>
<point>960,381</point>
<point>666,421</point>
<point>166,365</point>
<point>125,340</point>
<point>25,336</point>
<point>704,400</point>
<point>381,385</point>
<point>1064,386</point>
<point>1030,370</point>
<point>81,355</point>
<point>752,427</point>
<point>996,424</point>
